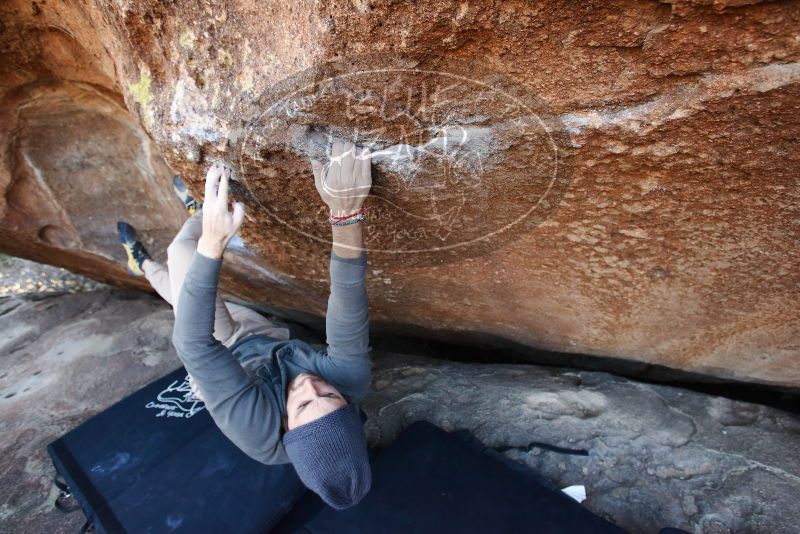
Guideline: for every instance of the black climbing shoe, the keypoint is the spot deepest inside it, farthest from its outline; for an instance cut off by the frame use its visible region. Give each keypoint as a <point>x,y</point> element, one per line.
<point>181,190</point>
<point>133,247</point>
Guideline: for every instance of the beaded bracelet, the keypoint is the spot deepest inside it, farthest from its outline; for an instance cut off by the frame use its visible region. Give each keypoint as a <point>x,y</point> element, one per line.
<point>348,220</point>
<point>356,216</point>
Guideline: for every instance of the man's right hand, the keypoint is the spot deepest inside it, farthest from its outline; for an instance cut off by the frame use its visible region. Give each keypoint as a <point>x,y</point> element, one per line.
<point>219,223</point>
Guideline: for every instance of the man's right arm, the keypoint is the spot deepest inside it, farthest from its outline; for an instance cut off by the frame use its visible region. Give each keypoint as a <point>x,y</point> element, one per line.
<point>240,408</point>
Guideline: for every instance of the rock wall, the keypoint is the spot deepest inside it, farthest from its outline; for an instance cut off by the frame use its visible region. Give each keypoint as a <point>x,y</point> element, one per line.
<point>611,178</point>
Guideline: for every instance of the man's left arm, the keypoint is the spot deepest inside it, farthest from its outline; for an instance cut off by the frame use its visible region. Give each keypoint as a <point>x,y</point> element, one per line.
<point>343,186</point>
<point>347,319</point>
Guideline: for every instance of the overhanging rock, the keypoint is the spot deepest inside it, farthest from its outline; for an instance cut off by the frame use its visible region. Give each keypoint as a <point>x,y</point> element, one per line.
<point>614,178</point>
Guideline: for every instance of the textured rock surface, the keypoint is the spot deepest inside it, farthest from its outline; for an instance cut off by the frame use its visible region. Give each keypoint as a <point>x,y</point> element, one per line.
<point>657,455</point>
<point>615,178</point>
<point>67,358</point>
<point>22,277</point>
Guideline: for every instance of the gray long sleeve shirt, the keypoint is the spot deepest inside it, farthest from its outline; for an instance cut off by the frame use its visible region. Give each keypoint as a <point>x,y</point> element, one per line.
<point>244,387</point>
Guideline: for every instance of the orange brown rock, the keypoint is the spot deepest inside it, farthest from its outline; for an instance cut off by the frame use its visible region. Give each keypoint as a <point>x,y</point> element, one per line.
<point>648,210</point>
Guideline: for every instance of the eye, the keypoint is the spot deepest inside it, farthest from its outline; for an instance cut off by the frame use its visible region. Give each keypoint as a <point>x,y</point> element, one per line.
<point>302,405</point>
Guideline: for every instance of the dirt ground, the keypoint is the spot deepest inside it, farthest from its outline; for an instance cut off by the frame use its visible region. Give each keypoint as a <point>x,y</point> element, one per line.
<point>20,277</point>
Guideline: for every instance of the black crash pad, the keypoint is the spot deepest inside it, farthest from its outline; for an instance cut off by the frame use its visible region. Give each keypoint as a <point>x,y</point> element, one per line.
<point>429,481</point>
<point>156,462</point>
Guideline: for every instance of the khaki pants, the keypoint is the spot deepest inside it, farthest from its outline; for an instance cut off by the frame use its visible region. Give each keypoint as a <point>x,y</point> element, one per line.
<point>232,322</point>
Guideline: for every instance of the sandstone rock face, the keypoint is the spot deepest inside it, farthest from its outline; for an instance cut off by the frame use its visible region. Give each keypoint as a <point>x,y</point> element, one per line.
<point>612,178</point>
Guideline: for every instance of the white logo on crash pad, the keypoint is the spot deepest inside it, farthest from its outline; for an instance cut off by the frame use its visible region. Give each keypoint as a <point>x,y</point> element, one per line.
<point>177,400</point>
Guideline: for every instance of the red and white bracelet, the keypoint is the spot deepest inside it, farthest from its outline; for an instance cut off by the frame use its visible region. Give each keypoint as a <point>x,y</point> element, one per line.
<point>352,218</point>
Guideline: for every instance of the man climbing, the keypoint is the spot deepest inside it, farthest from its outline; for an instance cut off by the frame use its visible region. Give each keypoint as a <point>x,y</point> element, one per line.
<point>232,321</point>
<point>281,400</point>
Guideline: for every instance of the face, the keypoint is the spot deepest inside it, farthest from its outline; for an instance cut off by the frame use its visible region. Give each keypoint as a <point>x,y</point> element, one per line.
<point>310,398</point>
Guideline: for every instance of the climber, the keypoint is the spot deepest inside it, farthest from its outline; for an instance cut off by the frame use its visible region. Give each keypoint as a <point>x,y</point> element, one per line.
<point>278,400</point>
<point>231,321</point>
